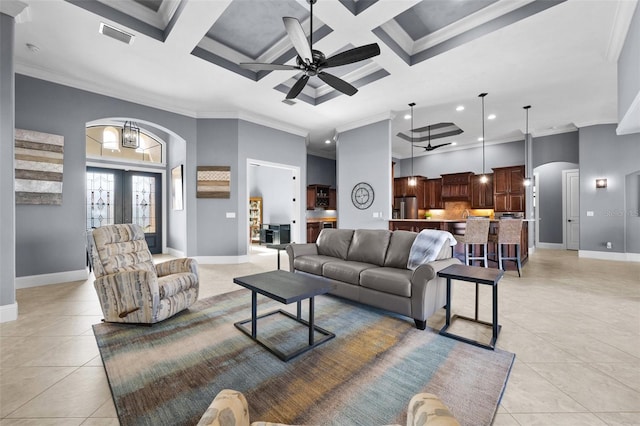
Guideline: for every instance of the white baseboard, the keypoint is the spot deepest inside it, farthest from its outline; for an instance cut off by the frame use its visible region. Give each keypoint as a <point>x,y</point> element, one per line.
<point>219,260</point>
<point>175,253</point>
<point>552,246</point>
<point>54,278</point>
<point>607,255</point>
<point>9,312</point>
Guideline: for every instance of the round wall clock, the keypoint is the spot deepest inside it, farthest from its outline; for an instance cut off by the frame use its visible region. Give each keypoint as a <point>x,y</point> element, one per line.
<point>362,195</point>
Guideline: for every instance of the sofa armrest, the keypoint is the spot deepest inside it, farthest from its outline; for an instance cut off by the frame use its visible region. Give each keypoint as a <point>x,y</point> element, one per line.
<point>174,266</point>
<point>295,250</point>
<point>128,292</point>
<point>427,409</point>
<point>229,407</point>
<point>428,291</point>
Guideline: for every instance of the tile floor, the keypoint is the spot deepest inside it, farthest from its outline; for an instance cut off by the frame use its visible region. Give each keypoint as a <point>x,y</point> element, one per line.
<point>574,325</point>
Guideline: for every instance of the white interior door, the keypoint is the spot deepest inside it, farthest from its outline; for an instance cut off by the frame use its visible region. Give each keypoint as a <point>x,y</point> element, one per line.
<point>572,209</point>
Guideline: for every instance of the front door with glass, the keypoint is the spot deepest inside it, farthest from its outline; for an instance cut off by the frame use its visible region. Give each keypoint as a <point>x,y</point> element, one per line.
<point>119,196</point>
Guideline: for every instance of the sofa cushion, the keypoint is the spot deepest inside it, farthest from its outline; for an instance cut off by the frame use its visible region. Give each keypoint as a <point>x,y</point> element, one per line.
<point>369,246</point>
<point>388,280</point>
<point>344,270</point>
<point>334,242</point>
<point>399,248</point>
<point>311,263</point>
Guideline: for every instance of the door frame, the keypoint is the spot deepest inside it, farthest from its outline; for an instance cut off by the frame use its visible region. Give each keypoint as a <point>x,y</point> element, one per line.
<point>296,228</point>
<point>565,200</point>
<point>163,180</point>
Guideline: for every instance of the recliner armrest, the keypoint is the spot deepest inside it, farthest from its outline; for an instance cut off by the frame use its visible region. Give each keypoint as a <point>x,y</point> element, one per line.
<point>175,266</point>
<point>126,292</point>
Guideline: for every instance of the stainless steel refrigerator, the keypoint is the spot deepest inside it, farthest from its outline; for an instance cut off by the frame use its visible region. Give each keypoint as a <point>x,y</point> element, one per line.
<point>406,207</point>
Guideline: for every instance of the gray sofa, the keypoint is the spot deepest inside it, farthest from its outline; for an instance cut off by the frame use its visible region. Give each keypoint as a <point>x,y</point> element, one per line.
<point>370,266</point>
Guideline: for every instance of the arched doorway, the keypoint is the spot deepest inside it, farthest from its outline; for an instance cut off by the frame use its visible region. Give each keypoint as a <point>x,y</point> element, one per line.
<point>125,178</point>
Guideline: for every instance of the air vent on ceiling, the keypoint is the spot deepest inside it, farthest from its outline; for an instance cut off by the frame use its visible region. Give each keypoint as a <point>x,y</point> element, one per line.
<point>116,33</point>
<point>288,101</point>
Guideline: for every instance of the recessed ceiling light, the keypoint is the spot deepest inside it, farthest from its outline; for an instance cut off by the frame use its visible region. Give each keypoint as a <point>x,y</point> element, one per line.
<point>460,108</point>
<point>480,139</point>
<point>327,141</point>
<point>454,143</point>
<point>407,116</point>
<point>491,116</point>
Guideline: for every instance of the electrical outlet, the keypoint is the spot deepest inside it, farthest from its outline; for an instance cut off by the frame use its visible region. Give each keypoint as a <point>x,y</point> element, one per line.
<point>609,244</point>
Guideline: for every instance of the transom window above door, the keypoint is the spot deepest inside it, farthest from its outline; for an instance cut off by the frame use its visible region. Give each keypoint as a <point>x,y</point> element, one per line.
<point>107,142</point>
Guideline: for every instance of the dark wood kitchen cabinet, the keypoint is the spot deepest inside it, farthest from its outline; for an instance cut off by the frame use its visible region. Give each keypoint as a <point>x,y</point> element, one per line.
<point>456,186</point>
<point>433,194</point>
<point>482,193</point>
<point>508,189</point>
<point>401,188</point>
<point>321,197</point>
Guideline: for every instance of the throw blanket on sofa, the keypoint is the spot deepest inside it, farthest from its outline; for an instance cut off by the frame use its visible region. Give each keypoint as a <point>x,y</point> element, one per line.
<point>427,245</point>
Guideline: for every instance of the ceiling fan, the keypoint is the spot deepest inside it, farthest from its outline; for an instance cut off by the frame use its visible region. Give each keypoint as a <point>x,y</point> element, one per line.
<point>313,62</point>
<point>430,147</point>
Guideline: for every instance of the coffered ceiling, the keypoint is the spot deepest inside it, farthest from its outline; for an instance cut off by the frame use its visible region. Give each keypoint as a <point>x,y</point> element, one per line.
<point>557,55</point>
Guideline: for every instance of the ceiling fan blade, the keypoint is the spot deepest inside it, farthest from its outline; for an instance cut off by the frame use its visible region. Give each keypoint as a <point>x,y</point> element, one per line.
<point>353,55</point>
<point>432,147</point>
<point>298,38</point>
<point>297,88</point>
<point>256,66</point>
<point>337,83</point>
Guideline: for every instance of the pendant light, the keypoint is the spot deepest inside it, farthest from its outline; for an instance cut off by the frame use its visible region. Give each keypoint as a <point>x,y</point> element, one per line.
<point>130,135</point>
<point>527,141</point>
<point>412,178</point>
<point>483,178</point>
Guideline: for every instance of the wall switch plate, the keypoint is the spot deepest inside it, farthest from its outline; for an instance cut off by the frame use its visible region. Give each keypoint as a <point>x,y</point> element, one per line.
<point>589,213</point>
<point>609,244</point>
<point>231,215</point>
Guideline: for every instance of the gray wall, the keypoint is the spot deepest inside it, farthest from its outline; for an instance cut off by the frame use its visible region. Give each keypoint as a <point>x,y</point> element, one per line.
<point>217,234</point>
<point>604,154</point>
<point>176,219</point>
<point>321,171</point>
<point>61,110</point>
<point>632,216</point>
<point>274,146</point>
<point>561,147</point>
<point>550,201</point>
<point>275,186</point>
<point>629,67</point>
<point>7,206</point>
<point>364,155</point>
<point>465,160</point>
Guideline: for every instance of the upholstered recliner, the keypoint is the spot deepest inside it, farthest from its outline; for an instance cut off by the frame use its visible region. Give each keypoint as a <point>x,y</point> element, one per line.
<point>130,287</point>
<point>230,408</point>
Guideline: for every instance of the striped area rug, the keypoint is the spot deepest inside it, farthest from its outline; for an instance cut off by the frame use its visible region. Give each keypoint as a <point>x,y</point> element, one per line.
<point>169,373</point>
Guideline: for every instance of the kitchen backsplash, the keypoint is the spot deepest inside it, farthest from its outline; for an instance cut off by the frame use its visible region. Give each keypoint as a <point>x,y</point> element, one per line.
<point>454,210</point>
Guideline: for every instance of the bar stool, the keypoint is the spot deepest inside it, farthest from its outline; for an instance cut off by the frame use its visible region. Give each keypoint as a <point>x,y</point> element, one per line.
<point>509,232</point>
<point>477,232</point>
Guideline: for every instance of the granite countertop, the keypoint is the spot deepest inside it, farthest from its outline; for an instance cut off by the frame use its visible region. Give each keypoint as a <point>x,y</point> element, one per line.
<point>321,219</point>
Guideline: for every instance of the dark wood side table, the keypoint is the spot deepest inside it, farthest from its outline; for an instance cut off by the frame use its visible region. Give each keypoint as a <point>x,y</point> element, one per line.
<point>278,247</point>
<point>477,275</point>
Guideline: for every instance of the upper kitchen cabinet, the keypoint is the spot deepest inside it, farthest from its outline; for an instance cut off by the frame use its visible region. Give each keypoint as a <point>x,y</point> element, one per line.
<point>456,186</point>
<point>482,193</point>
<point>508,189</point>
<point>433,194</point>
<point>321,197</point>
<point>401,188</point>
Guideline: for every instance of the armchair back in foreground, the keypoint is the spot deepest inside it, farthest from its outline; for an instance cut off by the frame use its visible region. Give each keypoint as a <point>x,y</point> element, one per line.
<point>131,288</point>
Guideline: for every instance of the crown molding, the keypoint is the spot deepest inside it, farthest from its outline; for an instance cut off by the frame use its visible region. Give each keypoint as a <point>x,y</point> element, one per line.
<point>12,8</point>
<point>620,28</point>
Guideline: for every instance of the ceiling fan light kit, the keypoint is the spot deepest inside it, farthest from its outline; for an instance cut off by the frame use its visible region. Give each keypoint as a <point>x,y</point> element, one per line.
<point>313,62</point>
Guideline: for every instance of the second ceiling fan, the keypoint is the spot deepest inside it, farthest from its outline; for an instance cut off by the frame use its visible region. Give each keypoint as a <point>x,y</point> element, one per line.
<point>313,62</point>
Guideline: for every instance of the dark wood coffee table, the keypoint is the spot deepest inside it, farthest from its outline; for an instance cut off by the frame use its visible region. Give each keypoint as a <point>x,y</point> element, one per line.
<point>285,287</point>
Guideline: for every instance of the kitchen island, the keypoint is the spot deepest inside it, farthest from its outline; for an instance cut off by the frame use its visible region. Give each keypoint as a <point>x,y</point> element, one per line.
<point>458,227</point>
